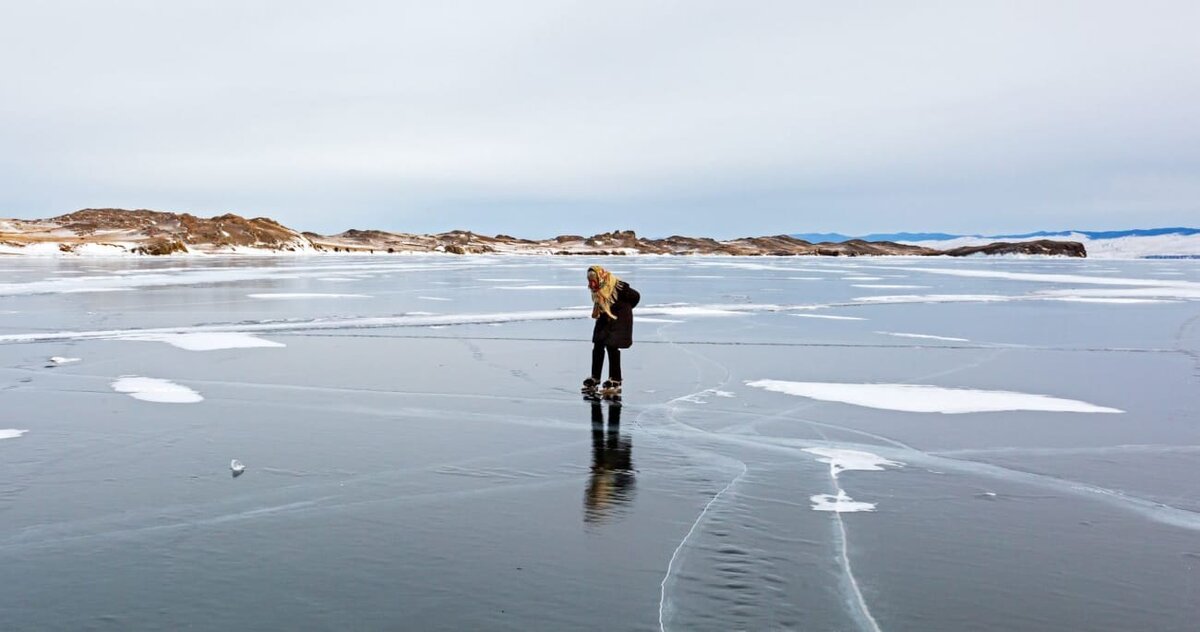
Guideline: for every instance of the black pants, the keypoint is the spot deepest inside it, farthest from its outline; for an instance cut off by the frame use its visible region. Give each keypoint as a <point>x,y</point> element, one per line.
<point>614,361</point>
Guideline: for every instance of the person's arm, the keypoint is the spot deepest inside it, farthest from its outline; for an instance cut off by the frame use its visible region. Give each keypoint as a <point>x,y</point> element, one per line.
<point>632,296</point>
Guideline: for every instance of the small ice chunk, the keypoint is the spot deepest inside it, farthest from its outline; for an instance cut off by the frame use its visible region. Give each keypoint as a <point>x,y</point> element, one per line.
<point>62,360</point>
<point>237,467</point>
<point>11,433</point>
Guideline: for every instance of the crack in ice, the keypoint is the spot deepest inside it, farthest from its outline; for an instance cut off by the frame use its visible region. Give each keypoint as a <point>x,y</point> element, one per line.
<point>662,600</point>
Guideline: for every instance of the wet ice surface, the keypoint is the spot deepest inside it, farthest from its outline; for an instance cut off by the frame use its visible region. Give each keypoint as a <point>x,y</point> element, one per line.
<point>419,456</point>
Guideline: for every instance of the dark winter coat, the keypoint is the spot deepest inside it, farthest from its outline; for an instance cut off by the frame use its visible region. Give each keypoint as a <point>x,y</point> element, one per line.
<point>618,333</point>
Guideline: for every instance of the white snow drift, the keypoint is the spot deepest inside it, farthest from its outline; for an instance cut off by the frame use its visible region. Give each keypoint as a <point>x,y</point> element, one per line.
<point>150,389</point>
<point>205,341</point>
<point>919,398</point>
<point>840,460</point>
<point>839,504</point>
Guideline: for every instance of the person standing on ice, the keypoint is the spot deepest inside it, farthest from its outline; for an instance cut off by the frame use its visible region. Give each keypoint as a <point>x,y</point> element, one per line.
<point>612,307</point>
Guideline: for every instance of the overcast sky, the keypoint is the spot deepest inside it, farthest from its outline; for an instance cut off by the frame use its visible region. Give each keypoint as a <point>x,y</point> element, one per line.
<point>539,118</point>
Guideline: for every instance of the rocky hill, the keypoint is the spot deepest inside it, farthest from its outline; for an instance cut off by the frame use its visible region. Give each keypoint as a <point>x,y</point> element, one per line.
<point>118,231</point>
<point>149,232</point>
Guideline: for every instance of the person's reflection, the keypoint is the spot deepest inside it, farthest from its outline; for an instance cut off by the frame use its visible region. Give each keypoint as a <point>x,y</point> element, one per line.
<point>611,484</point>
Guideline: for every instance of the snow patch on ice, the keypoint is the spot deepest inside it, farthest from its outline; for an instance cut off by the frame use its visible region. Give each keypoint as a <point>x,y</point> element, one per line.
<point>690,310</point>
<point>1168,292</point>
<point>1060,278</point>
<point>303,295</point>
<point>839,504</point>
<point>840,460</point>
<point>1114,300</point>
<point>937,298</point>
<point>206,341</point>
<point>702,396</point>
<point>410,319</point>
<point>11,433</point>
<point>539,287</point>
<point>433,298</point>
<point>923,336</point>
<point>918,398</point>
<point>743,266</point>
<point>829,316</point>
<point>885,286</point>
<point>151,389</point>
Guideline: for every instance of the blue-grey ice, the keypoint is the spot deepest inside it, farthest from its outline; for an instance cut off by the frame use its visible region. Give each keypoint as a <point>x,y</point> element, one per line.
<point>793,451</point>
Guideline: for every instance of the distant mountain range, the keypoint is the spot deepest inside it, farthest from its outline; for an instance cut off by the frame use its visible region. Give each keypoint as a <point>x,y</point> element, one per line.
<point>1041,234</point>
<point>1139,243</point>
<point>147,232</point>
<point>110,231</point>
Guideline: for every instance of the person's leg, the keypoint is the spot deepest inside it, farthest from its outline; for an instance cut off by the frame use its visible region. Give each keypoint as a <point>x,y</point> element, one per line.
<point>597,361</point>
<point>614,364</point>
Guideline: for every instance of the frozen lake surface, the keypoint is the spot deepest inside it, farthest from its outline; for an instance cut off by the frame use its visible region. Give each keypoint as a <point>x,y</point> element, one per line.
<point>809,444</point>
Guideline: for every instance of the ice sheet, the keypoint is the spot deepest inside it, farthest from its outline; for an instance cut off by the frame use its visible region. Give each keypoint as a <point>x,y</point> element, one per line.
<point>471,447</point>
